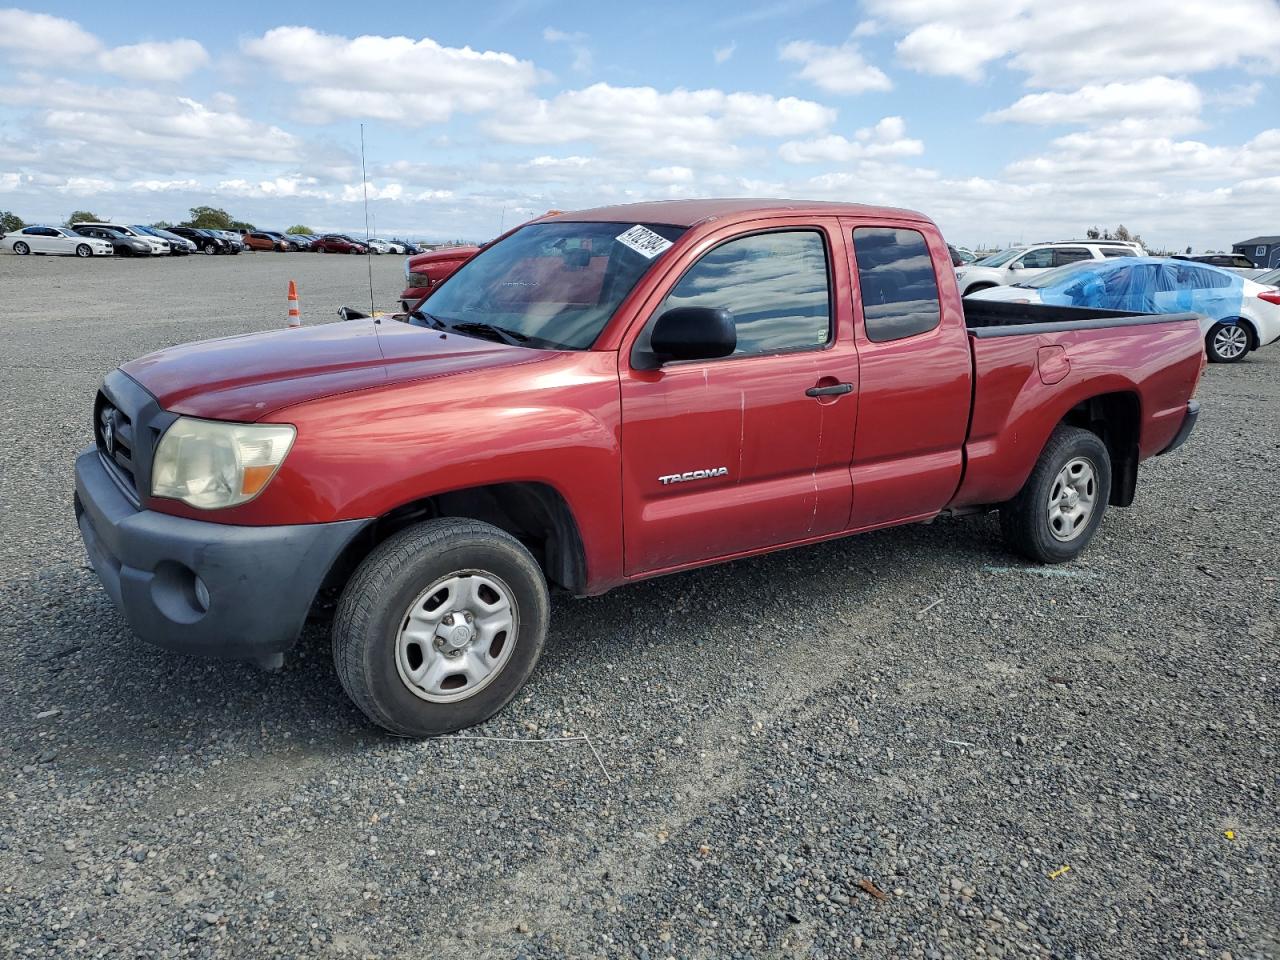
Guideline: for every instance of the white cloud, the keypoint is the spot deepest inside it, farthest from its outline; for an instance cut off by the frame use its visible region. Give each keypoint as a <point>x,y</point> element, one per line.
<point>583,60</point>
<point>886,139</point>
<point>1099,156</point>
<point>725,53</point>
<point>1071,44</point>
<point>136,134</point>
<point>835,69</point>
<point>642,121</point>
<point>35,37</point>
<point>1158,102</point>
<point>396,79</point>
<point>172,60</point>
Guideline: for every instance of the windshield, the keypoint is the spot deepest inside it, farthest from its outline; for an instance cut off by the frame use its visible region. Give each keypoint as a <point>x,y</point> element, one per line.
<point>1001,258</point>
<point>1053,277</point>
<point>556,283</point>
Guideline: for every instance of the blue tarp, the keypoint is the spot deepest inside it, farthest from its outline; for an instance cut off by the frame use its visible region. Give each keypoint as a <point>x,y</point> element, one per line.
<point>1144,285</point>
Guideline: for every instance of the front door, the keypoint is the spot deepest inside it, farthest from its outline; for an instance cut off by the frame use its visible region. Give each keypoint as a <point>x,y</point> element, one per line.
<point>726,456</point>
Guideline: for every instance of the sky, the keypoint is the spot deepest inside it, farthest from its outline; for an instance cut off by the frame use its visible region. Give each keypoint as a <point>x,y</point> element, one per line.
<point>1005,121</point>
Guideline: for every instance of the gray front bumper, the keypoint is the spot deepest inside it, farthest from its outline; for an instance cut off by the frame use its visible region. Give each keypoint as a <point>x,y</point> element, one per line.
<point>260,581</point>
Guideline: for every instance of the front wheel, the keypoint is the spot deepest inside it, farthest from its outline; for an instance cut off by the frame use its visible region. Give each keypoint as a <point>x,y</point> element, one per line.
<point>21,249</point>
<point>1227,342</point>
<point>82,250</point>
<point>209,249</point>
<point>440,626</point>
<point>1059,508</point>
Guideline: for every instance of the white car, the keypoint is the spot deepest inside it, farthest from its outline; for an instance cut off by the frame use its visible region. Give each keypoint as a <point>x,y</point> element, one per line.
<point>1021,263</point>
<point>1237,314</point>
<point>158,247</point>
<point>54,240</point>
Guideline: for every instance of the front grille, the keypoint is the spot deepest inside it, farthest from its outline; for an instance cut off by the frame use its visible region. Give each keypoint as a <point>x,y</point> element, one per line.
<point>115,436</point>
<point>127,424</point>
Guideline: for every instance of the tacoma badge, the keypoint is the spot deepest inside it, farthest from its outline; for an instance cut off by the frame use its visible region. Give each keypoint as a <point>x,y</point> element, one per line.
<point>694,475</point>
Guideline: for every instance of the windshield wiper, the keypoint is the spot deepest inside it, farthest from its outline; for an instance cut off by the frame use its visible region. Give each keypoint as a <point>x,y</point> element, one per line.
<point>511,337</point>
<point>429,320</point>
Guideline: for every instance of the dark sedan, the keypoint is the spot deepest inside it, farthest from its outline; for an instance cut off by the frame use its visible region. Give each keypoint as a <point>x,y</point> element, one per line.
<point>206,242</point>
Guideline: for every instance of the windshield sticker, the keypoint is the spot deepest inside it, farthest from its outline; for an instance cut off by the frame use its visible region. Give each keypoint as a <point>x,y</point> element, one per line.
<point>644,241</point>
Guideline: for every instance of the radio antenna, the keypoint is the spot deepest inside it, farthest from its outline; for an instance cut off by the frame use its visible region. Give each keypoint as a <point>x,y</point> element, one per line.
<point>368,251</point>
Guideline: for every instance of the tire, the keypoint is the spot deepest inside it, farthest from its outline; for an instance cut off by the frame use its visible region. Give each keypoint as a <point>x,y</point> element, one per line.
<point>21,249</point>
<point>1228,342</point>
<point>1073,461</point>
<point>390,637</point>
<point>209,249</point>
<point>83,250</point>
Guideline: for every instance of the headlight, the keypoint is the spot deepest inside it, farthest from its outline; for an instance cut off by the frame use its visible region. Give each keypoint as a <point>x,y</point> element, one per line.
<point>209,464</point>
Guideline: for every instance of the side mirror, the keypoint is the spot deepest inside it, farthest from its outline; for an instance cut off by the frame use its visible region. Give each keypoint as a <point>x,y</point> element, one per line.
<point>693,333</point>
<point>1016,265</point>
<point>351,313</point>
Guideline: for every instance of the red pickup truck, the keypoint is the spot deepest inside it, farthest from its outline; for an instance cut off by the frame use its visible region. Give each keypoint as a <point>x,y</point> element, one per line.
<point>594,399</point>
<point>423,272</point>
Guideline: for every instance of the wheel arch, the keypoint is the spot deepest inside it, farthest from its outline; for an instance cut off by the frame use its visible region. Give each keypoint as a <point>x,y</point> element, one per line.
<point>533,512</point>
<point>1116,418</point>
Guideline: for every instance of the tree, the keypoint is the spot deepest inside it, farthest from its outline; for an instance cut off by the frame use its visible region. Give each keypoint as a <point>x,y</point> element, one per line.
<point>240,226</point>
<point>1093,233</point>
<point>209,218</point>
<point>1188,248</point>
<point>1122,233</point>
<point>162,225</point>
<point>299,228</point>
<point>82,216</point>
<point>10,222</point>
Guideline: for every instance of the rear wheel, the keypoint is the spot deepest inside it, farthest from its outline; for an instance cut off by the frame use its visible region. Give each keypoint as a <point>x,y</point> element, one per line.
<point>1059,508</point>
<point>440,627</point>
<point>21,249</point>
<point>1227,342</point>
<point>82,250</point>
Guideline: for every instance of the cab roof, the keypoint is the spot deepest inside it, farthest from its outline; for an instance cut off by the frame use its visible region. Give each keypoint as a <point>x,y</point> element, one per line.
<point>687,213</point>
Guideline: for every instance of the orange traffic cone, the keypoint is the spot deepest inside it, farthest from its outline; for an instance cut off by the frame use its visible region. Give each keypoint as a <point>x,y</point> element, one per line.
<point>295,317</point>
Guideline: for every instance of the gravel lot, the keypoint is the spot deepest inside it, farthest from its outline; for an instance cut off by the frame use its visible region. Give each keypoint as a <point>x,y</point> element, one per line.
<point>800,763</point>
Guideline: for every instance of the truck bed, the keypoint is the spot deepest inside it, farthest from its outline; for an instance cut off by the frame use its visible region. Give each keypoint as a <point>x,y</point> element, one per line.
<point>996,318</point>
<point>1032,364</point>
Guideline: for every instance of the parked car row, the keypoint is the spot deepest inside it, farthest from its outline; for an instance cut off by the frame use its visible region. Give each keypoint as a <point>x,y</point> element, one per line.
<point>139,240</point>
<point>1238,314</point>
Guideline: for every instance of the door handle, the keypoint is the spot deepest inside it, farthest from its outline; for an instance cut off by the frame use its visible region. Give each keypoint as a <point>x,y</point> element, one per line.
<point>833,390</point>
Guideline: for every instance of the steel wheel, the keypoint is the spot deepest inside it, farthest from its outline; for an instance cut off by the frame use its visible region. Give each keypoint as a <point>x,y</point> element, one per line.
<point>1072,498</point>
<point>457,636</point>
<point>1230,341</point>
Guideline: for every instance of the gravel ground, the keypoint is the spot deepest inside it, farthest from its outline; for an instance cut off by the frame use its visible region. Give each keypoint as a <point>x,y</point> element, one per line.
<point>795,757</point>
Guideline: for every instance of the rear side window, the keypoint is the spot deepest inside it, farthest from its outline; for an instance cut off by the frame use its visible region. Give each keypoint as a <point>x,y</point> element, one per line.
<point>1064,255</point>
<point>897,283</point>
<point>1199,279</point>
<point>776,285</point>
<point>1038,259</point>
<point>1115,252</point>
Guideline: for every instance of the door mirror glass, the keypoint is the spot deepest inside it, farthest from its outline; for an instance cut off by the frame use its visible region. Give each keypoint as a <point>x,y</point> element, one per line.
<point>693,333</point>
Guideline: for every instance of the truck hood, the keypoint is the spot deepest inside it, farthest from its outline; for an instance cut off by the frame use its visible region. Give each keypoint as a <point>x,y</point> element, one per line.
<point>247,377</point>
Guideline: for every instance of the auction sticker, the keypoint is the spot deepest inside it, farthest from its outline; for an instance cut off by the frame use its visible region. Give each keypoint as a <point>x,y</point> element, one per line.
<point>644,241</point>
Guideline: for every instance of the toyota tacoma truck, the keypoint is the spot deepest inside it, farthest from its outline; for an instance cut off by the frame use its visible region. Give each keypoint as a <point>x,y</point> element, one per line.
<point>591,400</point>
<point>423,272</point>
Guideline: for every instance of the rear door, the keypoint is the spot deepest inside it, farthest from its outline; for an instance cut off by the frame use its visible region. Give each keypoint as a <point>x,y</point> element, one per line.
<point>915,373</point>
<point>749,451</point>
